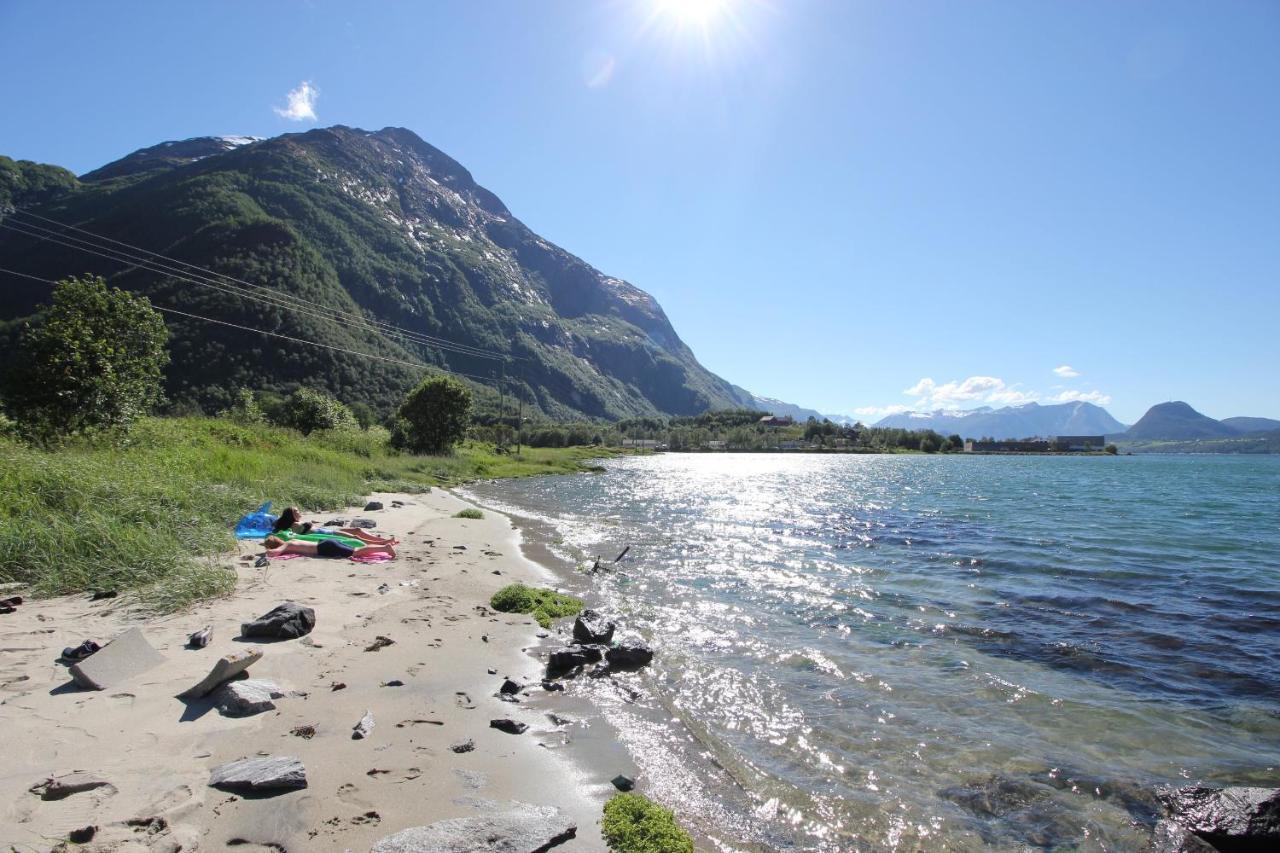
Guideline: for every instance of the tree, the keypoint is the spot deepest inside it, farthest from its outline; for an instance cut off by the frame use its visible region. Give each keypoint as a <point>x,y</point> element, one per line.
<point>307,411</point>
<point>94,363</point>
<point>433,417</point>
<point>1112,449</point>
<point>955,442</point>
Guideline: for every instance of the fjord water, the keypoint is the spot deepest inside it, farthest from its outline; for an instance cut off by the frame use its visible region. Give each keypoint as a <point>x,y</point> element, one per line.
<point>934,652</point>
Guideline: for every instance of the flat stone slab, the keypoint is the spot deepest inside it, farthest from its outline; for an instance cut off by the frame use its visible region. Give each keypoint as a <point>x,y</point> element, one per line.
<point>244,698</point>
<point>271,773</point>
<point>228,667</point>
<point>123,658</point>
<point>528,829</point>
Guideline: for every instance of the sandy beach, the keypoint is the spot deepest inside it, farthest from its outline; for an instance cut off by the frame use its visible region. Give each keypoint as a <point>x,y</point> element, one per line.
<point>155,751</point>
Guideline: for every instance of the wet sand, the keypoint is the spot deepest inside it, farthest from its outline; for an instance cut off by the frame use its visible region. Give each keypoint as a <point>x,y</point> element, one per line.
<point>156,751</point>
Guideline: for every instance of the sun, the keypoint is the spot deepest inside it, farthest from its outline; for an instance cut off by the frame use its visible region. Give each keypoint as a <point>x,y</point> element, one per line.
<point>692,13</point>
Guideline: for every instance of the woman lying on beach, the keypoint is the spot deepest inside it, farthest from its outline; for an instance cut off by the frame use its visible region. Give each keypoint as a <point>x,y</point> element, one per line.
<point>329,547</point>
<point>354,536</point>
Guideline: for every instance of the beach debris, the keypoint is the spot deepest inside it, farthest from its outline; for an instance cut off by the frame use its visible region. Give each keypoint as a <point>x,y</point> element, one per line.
<point>260,562</point>
<point>245,698</point>
<point>364,523</point>
<point>227,667</point>
<point>306,732</point>
<point>379,642</point>
<point>336,522</point>
<point>511,727</point>
<point>338,685</point>
<point>200,638</point>
<point>463,746</point>
<point>61,787</point>
<point>558,720</point>
<point>372,506</point>
<point>286,621</point>
<point>623,783</point>
<point>8,605</point>
<point>80,652</point>
<point>459,547</point>
<point>395,682</point>
<point>103,594</point>
<point>270,773</point>
<point>403,723</point>
<point>123,658</point>
<point>629,655</point>
<point>384,588</point>
<point>509,686</point>
<point>1226,818</point>
<point>397,504</point>
<point>464,701</point>
<point>623,554</point>
<point>364,728</point>
<point>493,671</point>
<point>592,628</point>
<point>484,638</point>
<point>524,828</point>
<point>83,835</point>
<point>548,684</point>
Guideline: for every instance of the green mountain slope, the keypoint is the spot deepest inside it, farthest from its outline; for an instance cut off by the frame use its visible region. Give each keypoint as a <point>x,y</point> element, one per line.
<point>1176,421</point>
<point>376,223</point>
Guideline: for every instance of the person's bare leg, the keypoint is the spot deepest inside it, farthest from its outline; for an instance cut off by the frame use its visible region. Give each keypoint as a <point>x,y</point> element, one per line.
<point>367,537</point>
<point>370,550</point>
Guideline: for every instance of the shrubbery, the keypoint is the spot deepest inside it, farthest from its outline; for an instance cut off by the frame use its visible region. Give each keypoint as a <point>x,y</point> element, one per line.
<point>473,514</point>
<point>433,417</point>
<point>635,824</point>
<point>307,411</point>
<point>542,604</point>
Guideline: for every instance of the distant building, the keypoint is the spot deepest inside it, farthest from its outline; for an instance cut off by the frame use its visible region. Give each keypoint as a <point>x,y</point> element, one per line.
<point>776,421</point>
<point>1079,442</point>
<point>716,444</point>
<point>648,443</point>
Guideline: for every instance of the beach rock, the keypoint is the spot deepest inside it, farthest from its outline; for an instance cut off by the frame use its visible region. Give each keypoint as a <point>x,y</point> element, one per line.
<point>1227,818</point>
<point>286,621</point>
<point>244,698</point>
<point>364,523</point>
<point>126,656</point>
<point>1171,837</point>
<point>83,835</point>
<point>548,684</point>
<point>524,829</point>
<point>996,796</point>
<point>509,687</point>
<point>364,728</point>
<point>623,783</point>
<point>511,727</point>
<point>61,787</point>
<point>372,506</point>
<point>336,522</point>
<point>563,660</point>
<point>272,773</point>
<point>228,667</point>
<point>463,746</point>
<point>200,638</point>
<point>591,627</point>
<point>629,654</point>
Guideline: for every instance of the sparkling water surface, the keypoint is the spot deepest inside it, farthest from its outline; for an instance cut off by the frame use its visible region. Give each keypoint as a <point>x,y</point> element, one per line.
<point>934,652</point>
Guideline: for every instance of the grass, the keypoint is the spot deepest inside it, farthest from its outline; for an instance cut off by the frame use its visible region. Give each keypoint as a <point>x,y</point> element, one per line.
<point>635,824</point>
<point>473,514</point>
<point>155,516</point>
<point>542,604</point>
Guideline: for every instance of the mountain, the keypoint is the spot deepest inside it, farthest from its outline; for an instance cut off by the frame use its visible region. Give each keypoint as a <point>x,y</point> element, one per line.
<point>1176,422</point>
<point>376,225</point>
<point>1025,421</point>
<point>1244,426</point>
<point>778,407</point>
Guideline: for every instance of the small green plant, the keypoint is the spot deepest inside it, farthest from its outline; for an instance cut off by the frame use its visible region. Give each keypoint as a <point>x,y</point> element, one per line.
<point>635,824</point>
<point>474,514</point>
<point>542,604</point>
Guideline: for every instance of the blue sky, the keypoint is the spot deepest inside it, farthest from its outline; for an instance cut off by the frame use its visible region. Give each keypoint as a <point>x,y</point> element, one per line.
<point>835,202</point>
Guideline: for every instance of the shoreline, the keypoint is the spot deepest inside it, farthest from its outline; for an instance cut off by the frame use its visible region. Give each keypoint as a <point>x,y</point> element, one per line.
<point>432,602</point>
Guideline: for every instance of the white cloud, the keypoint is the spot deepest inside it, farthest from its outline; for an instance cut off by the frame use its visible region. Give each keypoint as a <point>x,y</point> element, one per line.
<point>880,411</point>
<point>301,103</point>
<point>981,390</point>
<point>951,393</point>
<point>1066,371</point>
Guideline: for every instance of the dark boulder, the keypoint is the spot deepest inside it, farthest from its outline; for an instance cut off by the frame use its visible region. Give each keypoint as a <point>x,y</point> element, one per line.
<point>372,506</point>
<point>511,727</point>
<point>629,655</point>
<point>591,627</point>
<point>1227,818</point>
<point>509,687</point>
<point>287,621</point>
<point>564,660</point>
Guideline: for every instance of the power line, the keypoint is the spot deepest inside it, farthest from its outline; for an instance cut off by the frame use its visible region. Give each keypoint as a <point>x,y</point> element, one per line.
<point>223,282</point>
<point>272,334</point>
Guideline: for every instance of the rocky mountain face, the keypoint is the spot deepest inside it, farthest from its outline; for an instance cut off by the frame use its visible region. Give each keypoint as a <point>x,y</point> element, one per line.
<point>374,225</point>
<point>1031,419</point>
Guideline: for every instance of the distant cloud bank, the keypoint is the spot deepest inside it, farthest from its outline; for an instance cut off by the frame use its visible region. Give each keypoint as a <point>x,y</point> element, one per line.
<point>301,103</point>
<point>982,390</point>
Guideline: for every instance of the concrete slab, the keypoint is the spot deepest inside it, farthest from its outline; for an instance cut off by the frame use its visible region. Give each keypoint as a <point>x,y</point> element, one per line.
<point>123,658</point>
<point>228,667</point>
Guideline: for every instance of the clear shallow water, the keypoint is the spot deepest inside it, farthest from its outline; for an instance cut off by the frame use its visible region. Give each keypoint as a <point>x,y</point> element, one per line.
<point>869,652</point>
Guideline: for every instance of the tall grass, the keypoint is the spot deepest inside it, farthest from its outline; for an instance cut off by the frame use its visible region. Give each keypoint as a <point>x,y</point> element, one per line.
<point>156,515</point>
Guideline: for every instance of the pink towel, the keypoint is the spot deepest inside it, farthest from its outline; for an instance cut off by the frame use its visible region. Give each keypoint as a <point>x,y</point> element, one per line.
<point>372,558</point>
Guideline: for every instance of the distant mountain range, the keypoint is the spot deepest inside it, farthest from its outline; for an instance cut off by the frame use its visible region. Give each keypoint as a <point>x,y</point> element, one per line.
<point>1030,419</point>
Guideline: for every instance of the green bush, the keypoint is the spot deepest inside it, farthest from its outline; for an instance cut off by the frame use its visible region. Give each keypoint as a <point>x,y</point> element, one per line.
<point>635,824</point>
<point>474,514</point>
<point>542,604</point>
<point>433,417</point>
<point>93,365</point>
<point>245,409</point>
<point>308,411</point>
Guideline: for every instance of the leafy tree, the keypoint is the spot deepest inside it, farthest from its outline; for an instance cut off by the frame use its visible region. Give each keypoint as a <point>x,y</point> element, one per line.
<point>955,442</point>
<point>433,417</point>
<point>95,362</point>
<point>308,410</point>
<point>364,414</point>
<point>245,409</point>
<point>1112,449</point>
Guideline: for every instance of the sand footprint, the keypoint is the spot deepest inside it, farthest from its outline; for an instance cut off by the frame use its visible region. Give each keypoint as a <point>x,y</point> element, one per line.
<point>464,701</point>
